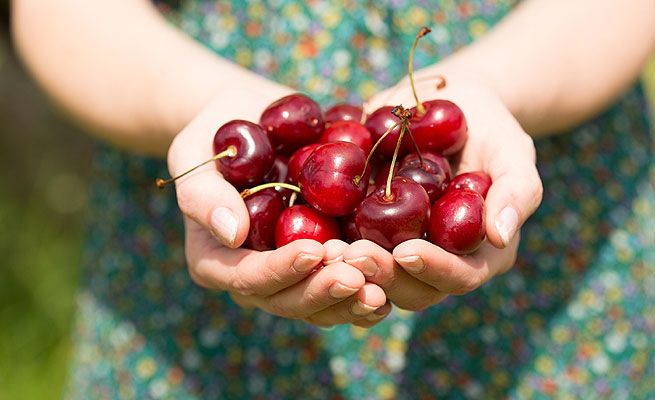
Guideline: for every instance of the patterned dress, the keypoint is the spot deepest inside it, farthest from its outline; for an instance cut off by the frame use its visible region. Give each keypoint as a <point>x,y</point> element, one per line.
<point>574,319</point>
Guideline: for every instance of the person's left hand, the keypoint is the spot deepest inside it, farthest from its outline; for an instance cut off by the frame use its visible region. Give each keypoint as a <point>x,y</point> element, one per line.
<point>419,274</point>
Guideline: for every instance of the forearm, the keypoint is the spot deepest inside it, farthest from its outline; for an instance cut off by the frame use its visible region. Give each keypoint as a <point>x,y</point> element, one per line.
<point>556,63</point>
<point>120,69</point>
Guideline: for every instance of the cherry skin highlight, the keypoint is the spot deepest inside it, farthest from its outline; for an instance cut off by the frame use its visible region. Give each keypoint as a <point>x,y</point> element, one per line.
<point>264,208</point>
<point>457,221</point>
<point>303,222</point>
<point>327,180</point>
<point>442,128</point>
<point>378,123</point>
<point>391,221</point>
<point>429,175</point>
<point>292,122</point>
<point>348,131</point>
<point>297,161</point>
<point>255,155</point>
<point>477,181</point>
<point>343,112</point>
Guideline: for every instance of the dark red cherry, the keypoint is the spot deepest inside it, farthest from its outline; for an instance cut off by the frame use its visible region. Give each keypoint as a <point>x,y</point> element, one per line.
<point>255,155</point>
<point>413,160</point>
<point>429,175</point>
<point>264,208</point>
<point>279,170</point>
<point>477,181</point>
<point>383,173</point>
<point>442,128</point>
<point>349,229</point>
<point>292,122</point>
<point>348,131</point>
<point>303,222</point>
<point>457,221</point>
<point>297,160</point>
<point>391,221</point>
<point>343,112</point>
<point>378,123</point>
<point>327,180</point>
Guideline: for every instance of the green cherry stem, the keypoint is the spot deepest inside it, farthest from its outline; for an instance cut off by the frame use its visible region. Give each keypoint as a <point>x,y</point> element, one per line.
<point>358,178</point>
<point>420,110</point>
<point>231,151</point>
<point>387,189</point>
<point>418,152</point>
<point>256,189</point>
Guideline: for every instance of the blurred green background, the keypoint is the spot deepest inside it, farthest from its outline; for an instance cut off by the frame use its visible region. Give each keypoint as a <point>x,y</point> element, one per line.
<point>43,189</point>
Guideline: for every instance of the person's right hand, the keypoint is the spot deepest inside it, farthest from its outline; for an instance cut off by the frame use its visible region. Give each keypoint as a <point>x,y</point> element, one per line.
<point>302,280</point>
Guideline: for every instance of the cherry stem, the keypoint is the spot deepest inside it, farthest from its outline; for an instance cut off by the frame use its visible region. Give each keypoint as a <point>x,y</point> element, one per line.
<point>292,199</point>
<point>441,84</point>
<point>358,178</point>
<point>387,189</point>
<point>256,189</point>
<point>420,110</point>
<point>418,152</point>
<point>231,151</point>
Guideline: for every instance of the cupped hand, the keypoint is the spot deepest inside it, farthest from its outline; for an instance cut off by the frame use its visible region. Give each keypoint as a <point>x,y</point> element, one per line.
<point>418,274</point>
<point>302,280</point>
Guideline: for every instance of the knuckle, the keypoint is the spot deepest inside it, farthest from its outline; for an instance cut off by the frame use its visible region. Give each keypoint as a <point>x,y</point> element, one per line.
<point>314,301</point>
<point>275,307</point>
<point>469,284</point>
<point>240,285</point>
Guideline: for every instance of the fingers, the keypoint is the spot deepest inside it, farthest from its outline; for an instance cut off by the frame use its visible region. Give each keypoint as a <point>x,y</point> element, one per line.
<point>516,191</point>
<point>334,250</point>
<point>450,273</point>
<point>373,319</point>
<point>360,306</point>
<point>322,289</point>
<point>379,267</point>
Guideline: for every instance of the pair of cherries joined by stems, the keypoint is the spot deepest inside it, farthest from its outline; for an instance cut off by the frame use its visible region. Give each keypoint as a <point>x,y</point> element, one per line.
<point>347,192</point>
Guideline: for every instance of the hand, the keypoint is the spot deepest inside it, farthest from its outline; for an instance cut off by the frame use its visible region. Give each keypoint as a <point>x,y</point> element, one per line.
<point>420,274</point>
<point>290,282</point>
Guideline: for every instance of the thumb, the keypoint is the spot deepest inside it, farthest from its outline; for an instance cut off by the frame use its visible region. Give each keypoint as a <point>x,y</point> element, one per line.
<point>515,193</point>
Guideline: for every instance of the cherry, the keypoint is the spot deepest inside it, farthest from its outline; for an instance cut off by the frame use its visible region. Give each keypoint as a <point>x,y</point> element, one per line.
<point>243,154</point>
<point>264,208</point>
<point>414,160</point>
<point>457,221</point>
<point>297,161</point>
<point>343,112</point>
<point>348,131</point>
<point>334,178</point>
<point>477,181</point>
<point>292,122</point>
<point>378,123</point>
<point>279,171</point>
<point>382,175</point>
<point>349,228</point>
<point>430,175</point>
<point>303,222</point>
<point>391,220</point>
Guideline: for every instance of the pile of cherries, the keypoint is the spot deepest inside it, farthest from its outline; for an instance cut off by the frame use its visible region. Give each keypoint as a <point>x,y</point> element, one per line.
<point>339,174</point>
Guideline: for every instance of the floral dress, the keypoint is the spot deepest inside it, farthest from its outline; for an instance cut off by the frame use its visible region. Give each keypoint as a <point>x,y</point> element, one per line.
<point>574,319</point>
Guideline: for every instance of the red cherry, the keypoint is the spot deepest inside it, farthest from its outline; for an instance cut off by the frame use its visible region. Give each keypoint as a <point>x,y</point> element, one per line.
<point>391,221</point>
<point>297,160</point>
<point>378,123</point>
<point>343,112</point>
<point>413,160</point>
<point>348,131</point>
<point>264,208</point>
<point>254,154</point>
<point>292,122</point>
<point>429,175</point>
<point>382,174</point>
<point>279,171</point>
<point>477,181</point>
<point>328,178</point>
<point>349,228</point>
<point>457,221</point>
<point>442,128</point>
<point>302,222</point>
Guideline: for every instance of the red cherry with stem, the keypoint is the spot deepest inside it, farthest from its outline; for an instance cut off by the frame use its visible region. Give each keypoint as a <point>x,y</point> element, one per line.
<point>437,125</point>
<point>292,122</point>
<point>334,178</point>
<point>457,221</point>
<point>382,174</point>
<point>349,228</point>
<point>297,160</point>
<point>378,123</point>
<point>243,154</point>
<point>477,181</point>
<point>391,220</point>
<point>343,112</point>
<point>414,160</point>
<point>348,131</point>
<point>303,222</point>
<point>429,175</point>
<point>264,208</point>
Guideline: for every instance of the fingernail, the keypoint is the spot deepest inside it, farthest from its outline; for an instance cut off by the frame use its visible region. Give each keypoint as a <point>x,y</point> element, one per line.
<point>378,314</point>
<point>225,225</point>
<point>412,264</point>
<point>306,262</point>
<point>360,309</point>
<point>506,224</point>
<point>364,264</point>
<point>339,291</point>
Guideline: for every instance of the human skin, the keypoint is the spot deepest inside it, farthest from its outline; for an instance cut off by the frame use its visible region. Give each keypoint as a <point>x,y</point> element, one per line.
<point>530,74</point>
